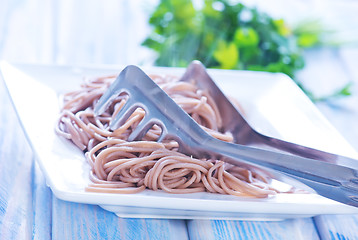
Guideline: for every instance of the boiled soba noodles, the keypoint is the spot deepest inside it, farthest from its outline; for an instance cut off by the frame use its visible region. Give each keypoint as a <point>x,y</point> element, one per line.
<point>119,166</point>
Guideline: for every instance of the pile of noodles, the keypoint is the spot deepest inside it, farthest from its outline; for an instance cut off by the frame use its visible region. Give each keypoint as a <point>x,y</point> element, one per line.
<point>119,166</point>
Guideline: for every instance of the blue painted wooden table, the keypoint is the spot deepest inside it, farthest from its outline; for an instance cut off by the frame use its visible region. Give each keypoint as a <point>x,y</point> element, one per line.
<point>29,210</point>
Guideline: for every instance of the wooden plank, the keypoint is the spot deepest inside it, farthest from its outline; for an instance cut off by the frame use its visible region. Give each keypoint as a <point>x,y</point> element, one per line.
<point>15,174</point>
<point>83,221</point>
<point>337,226</point>
<point>42,206</point>
<point>288,229</point>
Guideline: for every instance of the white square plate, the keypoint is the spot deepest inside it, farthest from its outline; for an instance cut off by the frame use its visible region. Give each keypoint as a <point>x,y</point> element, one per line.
<point>274,105</point>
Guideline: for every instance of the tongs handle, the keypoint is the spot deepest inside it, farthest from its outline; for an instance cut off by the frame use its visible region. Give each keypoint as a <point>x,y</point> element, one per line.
<point>330,180</point>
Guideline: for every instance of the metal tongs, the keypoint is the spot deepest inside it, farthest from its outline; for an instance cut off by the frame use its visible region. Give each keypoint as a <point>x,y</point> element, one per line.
<point>330,175</point>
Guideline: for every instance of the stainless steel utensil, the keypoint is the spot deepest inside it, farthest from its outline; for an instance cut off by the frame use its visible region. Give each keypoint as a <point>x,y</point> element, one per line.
<point>333,181</point>
<point>243,133</point>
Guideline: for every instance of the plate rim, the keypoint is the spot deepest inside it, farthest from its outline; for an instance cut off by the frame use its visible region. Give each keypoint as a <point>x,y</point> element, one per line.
<point>68,196</point>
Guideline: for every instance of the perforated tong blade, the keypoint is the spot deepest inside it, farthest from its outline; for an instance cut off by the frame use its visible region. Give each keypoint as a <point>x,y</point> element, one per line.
<point>333,181</point>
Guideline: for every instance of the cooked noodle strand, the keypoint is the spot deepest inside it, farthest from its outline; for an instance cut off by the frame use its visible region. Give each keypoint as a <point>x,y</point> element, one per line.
<point>119,166</point>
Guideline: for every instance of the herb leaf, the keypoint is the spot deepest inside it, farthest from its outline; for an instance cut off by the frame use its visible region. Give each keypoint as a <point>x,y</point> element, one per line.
<point>228,35</point>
